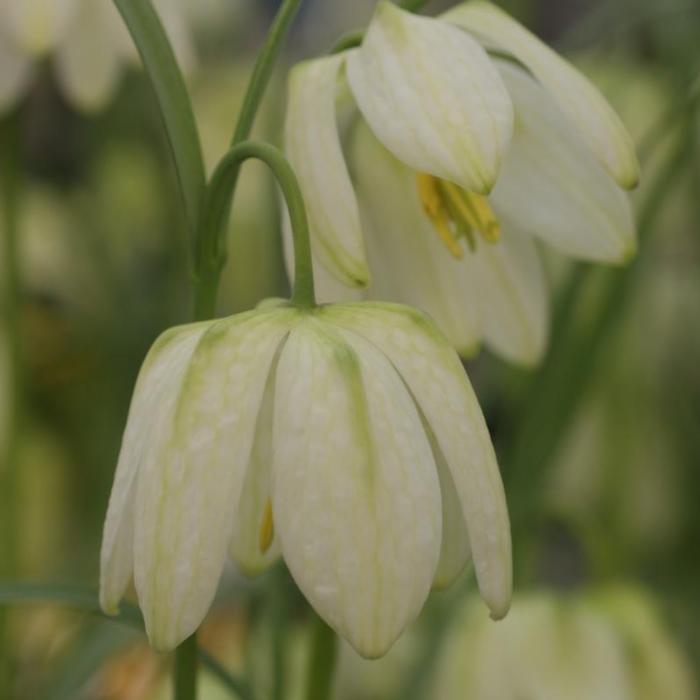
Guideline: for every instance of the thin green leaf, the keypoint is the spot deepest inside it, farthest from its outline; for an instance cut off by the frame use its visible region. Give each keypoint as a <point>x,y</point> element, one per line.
<point>176,109</point>
<point>86,599</point>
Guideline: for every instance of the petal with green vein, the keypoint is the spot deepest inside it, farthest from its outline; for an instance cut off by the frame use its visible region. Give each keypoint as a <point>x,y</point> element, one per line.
<point>575,95</point>
<point>436,379</point>
<point>355,490</point>
<point>553,187</point>
<point>312,144</point>
<point>186,487</point>
<point>147,430</point>
<point>433,97</point>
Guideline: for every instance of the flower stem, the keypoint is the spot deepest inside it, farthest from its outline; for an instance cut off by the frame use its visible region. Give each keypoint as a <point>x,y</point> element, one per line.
<point>211,244</point>
<point>186,669</point>
<point>11,355</point>
<point>324,650</point>
<point>216,211</point>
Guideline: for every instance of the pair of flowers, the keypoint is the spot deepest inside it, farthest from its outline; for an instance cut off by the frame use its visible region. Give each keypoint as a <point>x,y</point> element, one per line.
<point>347,437</point>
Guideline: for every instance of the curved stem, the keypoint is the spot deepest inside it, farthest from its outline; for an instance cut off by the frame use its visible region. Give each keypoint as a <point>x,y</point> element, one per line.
<point>175,107</point>
<point>348,41</point>
<point>211,245</point>
<point>186,670</point>
<point>324,650</point>
<point>217,207</point>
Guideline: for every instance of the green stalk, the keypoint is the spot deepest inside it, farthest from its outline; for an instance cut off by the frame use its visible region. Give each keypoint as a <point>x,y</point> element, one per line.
<point>175,107</point>
<point>211,246</point>
<point>186,669</point>
<point>10,336</point>
<point>324,652</point>
<point>218,199</point>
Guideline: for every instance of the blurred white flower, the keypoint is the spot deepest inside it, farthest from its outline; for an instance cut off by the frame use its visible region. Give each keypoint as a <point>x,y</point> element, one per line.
<point>432,125</point>
<point>347,438</point>
<point>607,644</point>
<point>87,41</point>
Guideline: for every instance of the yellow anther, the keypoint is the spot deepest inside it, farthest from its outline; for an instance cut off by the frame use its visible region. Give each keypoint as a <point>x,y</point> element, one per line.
<point>474,209</point>
<point>267,528</point>
<point>434,207</point>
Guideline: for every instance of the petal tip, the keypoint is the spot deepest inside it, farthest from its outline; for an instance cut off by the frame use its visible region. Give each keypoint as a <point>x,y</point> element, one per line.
<point>469,352</point>
<point>499,609</point>
<point>629,252</point>
<point>109,607</point>
<point>630,180</point>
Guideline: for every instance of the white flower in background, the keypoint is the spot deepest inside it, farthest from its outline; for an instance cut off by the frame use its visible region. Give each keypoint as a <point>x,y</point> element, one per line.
<point>347,438</point>
<point>87,41</point>
<point>607,644</point>
<point>456,160</point>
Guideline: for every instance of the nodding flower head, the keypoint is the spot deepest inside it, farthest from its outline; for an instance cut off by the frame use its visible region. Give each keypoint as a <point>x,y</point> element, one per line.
<point>344,438</point>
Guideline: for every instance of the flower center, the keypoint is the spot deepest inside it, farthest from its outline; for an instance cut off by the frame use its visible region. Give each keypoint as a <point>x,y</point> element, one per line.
<point>456,213</point>
<point>267,528</point>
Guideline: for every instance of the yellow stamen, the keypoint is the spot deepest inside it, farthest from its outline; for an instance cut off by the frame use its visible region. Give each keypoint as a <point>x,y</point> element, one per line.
<point>434,207</point>
<point>475,209</point>
<point>267,529</point>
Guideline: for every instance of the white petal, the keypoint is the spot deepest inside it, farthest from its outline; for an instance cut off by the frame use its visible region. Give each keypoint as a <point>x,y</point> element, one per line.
<point>576,96</point>
<point>313,146</point>
<point>37,26</point>
<point>15,72</point>
<point>409,262</point>
<point>355,489</point>
<point>435,376</point>
<point>513,296</point>
<point>553,186</point>
<point>255,500</point>
<point>150,414</point>
<point>433,97</point>
<point>88,62</point>
<point>190,481</point>
<point>455,552</point>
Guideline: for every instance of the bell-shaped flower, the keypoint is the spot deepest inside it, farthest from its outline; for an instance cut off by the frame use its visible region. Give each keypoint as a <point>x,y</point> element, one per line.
<point>87,40</point>
<point>435,165</point>
<point>345,438</point>
<point>598,643</point>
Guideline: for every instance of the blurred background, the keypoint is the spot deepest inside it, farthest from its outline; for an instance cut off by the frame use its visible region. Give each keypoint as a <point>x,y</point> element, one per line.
<point>599,447</point>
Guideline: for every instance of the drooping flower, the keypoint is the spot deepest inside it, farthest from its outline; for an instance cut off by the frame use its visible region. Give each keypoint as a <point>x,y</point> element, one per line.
<point>599,643</point>
<point>346,438</point>
<point>429,167</point>
<point>87,41</point>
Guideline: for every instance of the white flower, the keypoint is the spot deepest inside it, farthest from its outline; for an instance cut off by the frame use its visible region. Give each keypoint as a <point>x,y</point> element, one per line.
<point>347,438</point>
<point>605,643</point>
<point>432,125</point>
<point>87,40</point>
